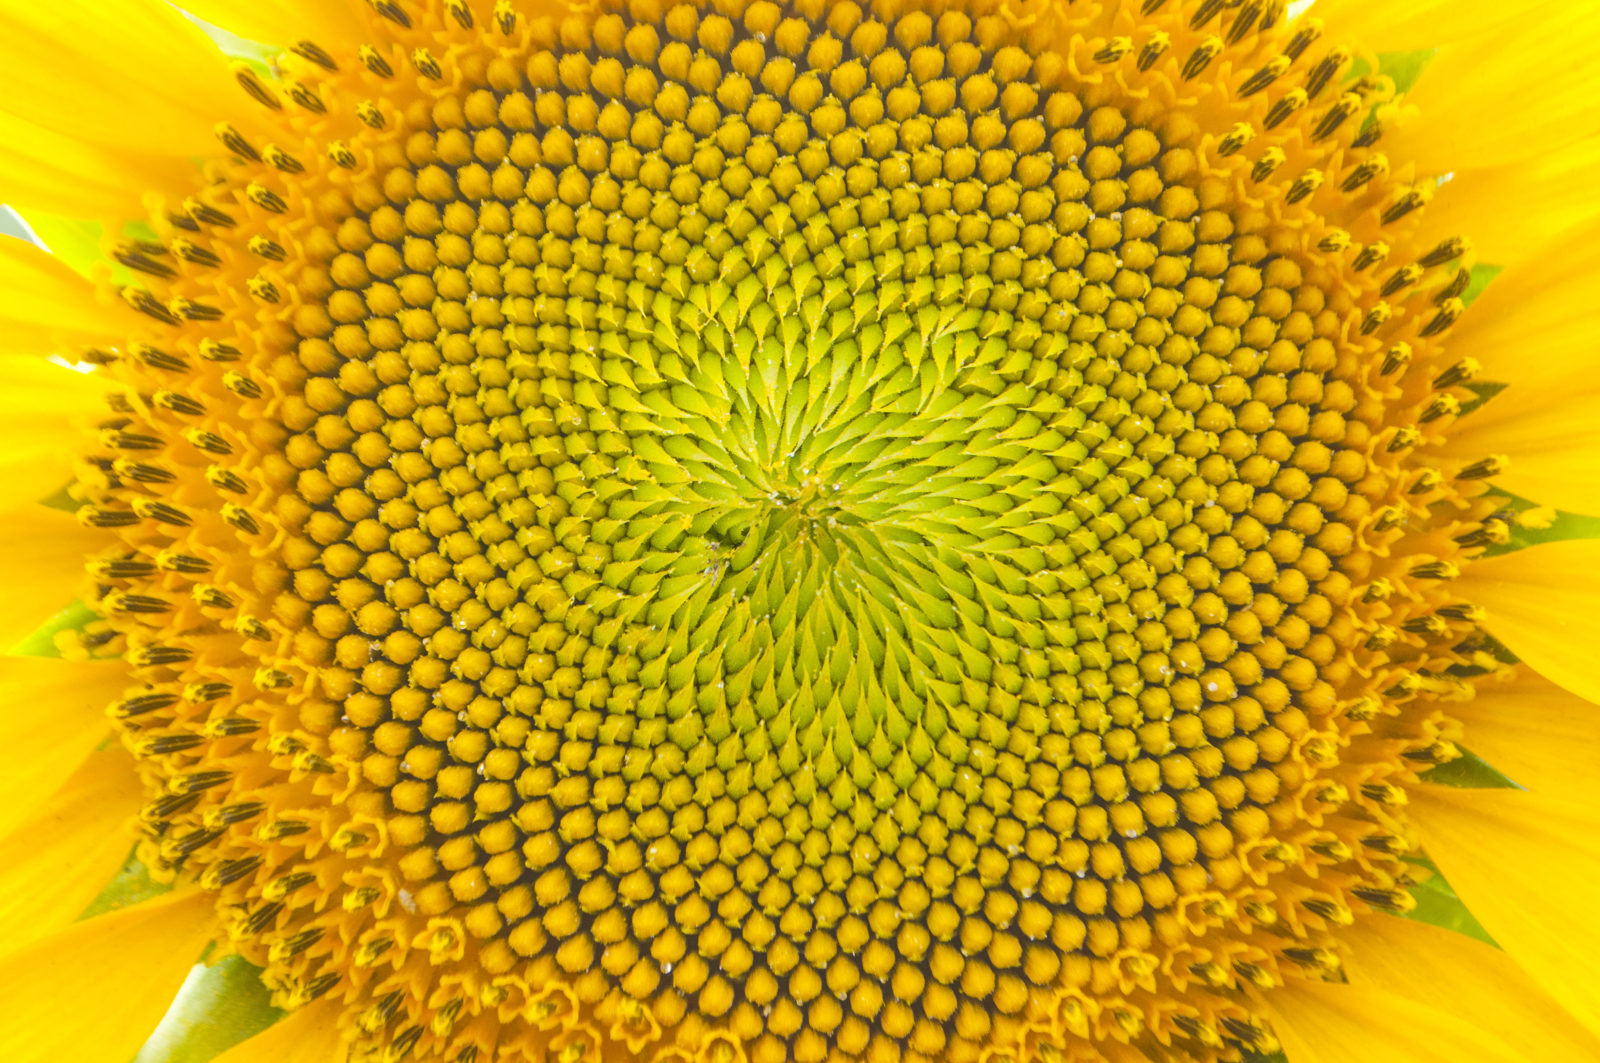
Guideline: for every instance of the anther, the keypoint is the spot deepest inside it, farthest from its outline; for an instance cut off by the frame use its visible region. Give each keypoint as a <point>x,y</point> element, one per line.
<point>135,603</point>
<point>1207,10</point>
<point>391,11</point>
<point>1440,406</point>
<point>252,628</point>
<point>360,898</point>
<point>235,142</point>
<point>1376,318</point>
<point>307,97</point>
<point>1323,960</point>
<point>190,310</point>
<point>1113,49</point>
<point>141,705</point>
<point>273,679</point>
<point>1427,480</point>
<point>176,561</point>
<point>282,160</point>
<point>262,918</point>
<point>99,517</point>
<point>1376,166</point>
<point>1446,251</point>
<point>1332,911</point>
<point>1268,163</point>
<point>319,986</point>
<point>1430,626</point>
<point>1409,200</point>
<point>1374,254</point>
<point>263,289</point>
<point>426,64</point>
<point>1441,570</point>
<point>1326,69</point>
<point>1201,57</point>
<point>1379,590</point>
<point>120,568</point>
<point>137,258</point>
<point>1389,900</point>
<point>369,114</point>
<point>1395,359</point>
<point>161,512</point>
<point>1463,372</point>
<point>190,251</point>
<point>1210,973</point>
<point>1388,517</point>
<point>1403,439</point>
<point>209,442</point>
<point>181,404</point>
<point>1153,50</point>
<point>241,385</point>
<point>141,472</point>
<point>295,944</point>
<point>1400,279</point>
<point>1449,312</point>
<point>162,745</point>
<point>1492,532</point>
<point>1150,7</point>
<point>157,359</point>
<point>1285,108</point>
<point>1435,753</point>
<point>1366,707</point>
<point>284,885</point>
<point>1304,185</point>
<point>1309,31</point>
<point>206,693</point>
<point>230,727</point>
<point>225,480</point>
<point>265,248</point>
<point>341,155</point>
<point>211,597</point>
<point>1334,241</point>
<point>1381,638</point>
<point>375,62</point>
<point>1241,134</point>
<point>1272,71</point>
<point>505,16</point>
<point>279,829</point>
<point>229,871</point>
<point>240,518</point>
<point>1454,290</point>
<point>1245,20</point>
<point>265,198</point>
<point>459,11</point>
<point>148,305</point>
<point>1343,109</point>
<point>179,847</point>
<point>257,90</point>
<point>1392,844</point>
<point>311,52</point>
<point>1465,611</point>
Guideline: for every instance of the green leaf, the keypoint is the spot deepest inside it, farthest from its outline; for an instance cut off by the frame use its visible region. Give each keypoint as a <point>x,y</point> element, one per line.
<point>73,241</point>
<point>1438,905</point>
<point>42,643</point>
<point>220,1004</point>
<point>132,885</point>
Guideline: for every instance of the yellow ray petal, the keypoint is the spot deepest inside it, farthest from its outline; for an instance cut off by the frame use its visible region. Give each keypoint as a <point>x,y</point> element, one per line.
<point>1525,865</point>
<point>324,22</point>
<point>1451,972</point>
<point>1323,1022</point>
<point>93,992</point>
<point>1537,734</point>
<point>61,174</point>
<point>1409,26</point>
<point>1549,437</point>
<point>310,1035</point>
<point>1554,194</point>
<point>46,411</point>
<point>55,864</point>
<point>45,551</point>
<point>1538,306</point>
<point>162,95</point>
<point>1541,603</point>
<point>1478,106</point>
<point>53,713</point>
<point>44,305</point>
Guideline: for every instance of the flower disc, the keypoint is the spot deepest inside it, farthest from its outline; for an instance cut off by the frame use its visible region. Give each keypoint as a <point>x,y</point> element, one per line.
<point>794,532</point>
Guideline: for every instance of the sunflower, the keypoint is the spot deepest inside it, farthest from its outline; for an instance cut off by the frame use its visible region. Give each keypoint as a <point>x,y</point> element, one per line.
<point>815,530</point>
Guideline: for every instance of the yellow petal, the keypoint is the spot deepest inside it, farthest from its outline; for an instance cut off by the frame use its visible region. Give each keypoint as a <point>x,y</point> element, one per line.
<point>1554,194</point>
<point>45,550</point>
<point>46,410</point>
<point>1541,602</point>
<point>1451,972</point>
<point>1324,1022</point>
<point>1549,439</point>
<point>53,716</point>
<point>1504,96</point>
<point>1537,734</point>
<point>1532,326</point>
<point>1411,26</point>
<point>310,1035</point>
<point>1525,865</point>
<point>137,76</point>
<point>58,173</point>
<point>93,992</point>
<point>325,22</point>
<point>55,864</point>
<point>45,306</point>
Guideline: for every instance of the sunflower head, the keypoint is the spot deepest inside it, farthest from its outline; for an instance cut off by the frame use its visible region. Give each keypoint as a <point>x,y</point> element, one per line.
<point>808,531</point>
